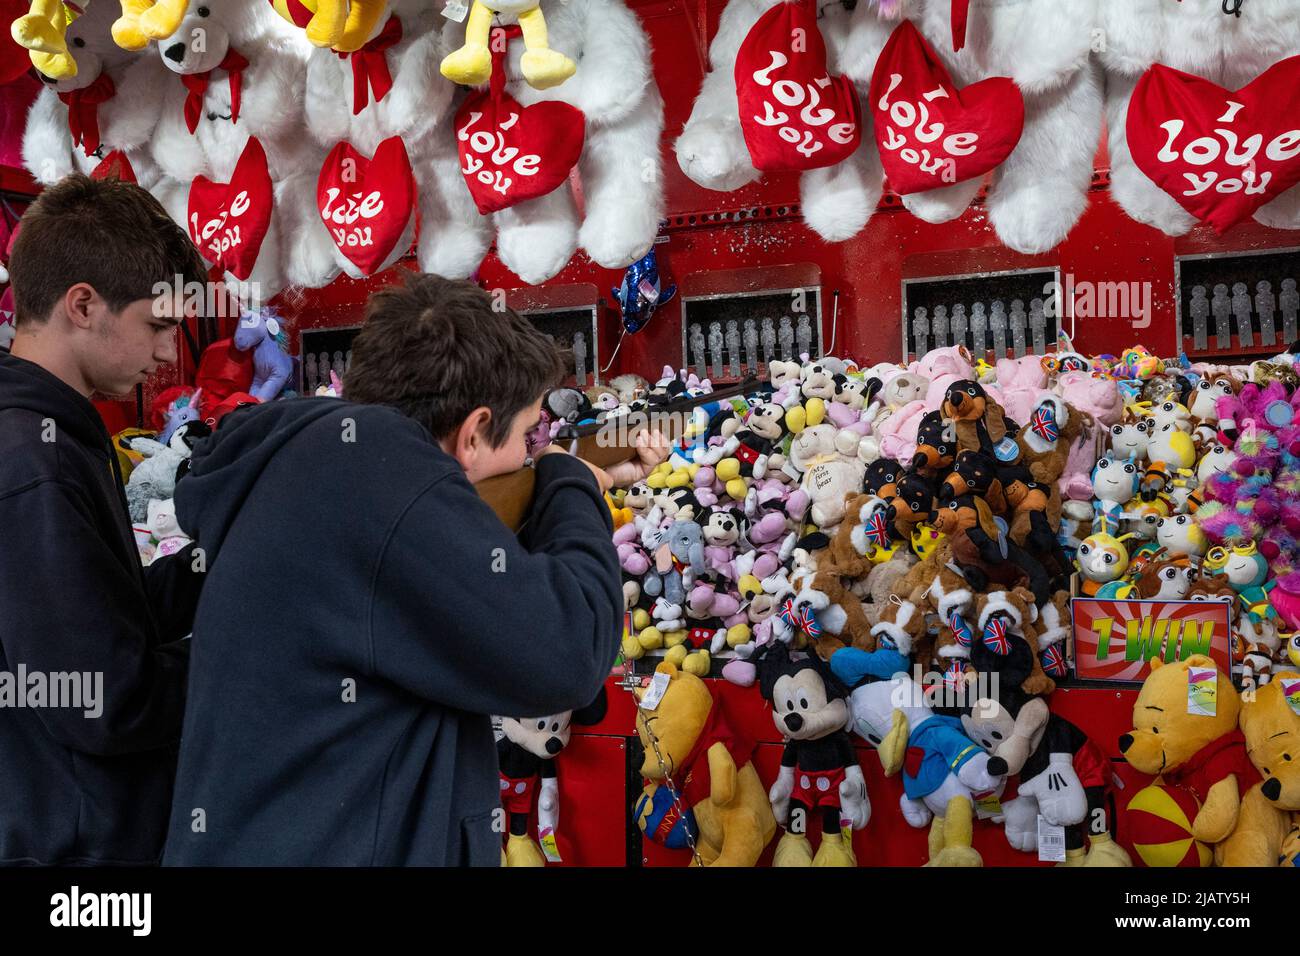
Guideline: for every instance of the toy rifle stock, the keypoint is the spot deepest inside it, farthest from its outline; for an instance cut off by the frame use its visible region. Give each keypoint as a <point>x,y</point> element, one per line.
<point>603,444</point>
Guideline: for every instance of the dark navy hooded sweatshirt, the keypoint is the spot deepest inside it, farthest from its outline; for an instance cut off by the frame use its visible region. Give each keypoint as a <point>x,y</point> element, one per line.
<point>364,613</point>
<point>74,598</point>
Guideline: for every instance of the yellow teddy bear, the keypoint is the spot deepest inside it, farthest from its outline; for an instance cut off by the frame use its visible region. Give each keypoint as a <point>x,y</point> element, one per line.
<point>542,67</point>
<point>725,803</point>
<point>343,25</point>
<point>1270,721</point>
<point>1187,736</point>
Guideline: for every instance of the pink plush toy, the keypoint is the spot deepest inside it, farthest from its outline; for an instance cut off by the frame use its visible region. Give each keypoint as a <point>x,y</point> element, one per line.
<point>1099,397</point>
<point>1023,385</point>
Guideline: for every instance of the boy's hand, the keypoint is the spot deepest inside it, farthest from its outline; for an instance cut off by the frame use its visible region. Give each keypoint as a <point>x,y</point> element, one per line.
<point>602,479</point>
<point>651,449</point>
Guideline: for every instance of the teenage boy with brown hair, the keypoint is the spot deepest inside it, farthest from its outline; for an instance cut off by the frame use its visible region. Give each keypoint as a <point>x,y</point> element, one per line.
<point>365,611</point>
<point>81,786</point>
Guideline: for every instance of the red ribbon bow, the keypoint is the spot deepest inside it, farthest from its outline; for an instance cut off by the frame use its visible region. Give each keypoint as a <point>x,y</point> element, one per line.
<point>370,67</point>
<point>83,111</point>
<point>958,16</point>
<point>197,84</point>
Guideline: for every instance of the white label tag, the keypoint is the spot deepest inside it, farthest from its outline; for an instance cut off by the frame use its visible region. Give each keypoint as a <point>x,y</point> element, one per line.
<point>1051,842</point>
<point>456,10</point>
<point>549,847</point>
<point>1291,691</point>
<point>655,692</point>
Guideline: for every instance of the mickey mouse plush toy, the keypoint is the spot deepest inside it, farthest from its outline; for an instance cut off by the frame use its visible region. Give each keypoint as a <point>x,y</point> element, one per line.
<point>526,760</point>
<point>819,771</point>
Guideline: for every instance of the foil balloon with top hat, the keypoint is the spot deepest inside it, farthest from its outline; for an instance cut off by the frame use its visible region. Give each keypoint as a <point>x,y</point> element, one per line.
<point>642,292</point>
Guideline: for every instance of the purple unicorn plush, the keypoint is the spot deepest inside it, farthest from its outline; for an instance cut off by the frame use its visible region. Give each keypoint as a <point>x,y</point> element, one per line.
<point>261,333</point>
<point>184,409</point>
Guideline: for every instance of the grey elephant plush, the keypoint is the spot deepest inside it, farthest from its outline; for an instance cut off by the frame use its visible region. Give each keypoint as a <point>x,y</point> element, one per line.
<point>679,559</point>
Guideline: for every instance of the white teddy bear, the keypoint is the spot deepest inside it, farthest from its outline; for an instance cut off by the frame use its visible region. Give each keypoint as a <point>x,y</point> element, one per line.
<point>837,201</point>
<point>1197,38</point>
<point>251,58</point>
<point>164,530</point>
<point>390,87</point>
<point>1040,190</point>
<point>622,184</point>
<point>827,458</point>
<point>110,104</point>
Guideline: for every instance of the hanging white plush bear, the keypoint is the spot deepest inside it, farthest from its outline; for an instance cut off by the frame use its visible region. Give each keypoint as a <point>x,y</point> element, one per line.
<point>785,92</point>
<point>98,119</point>
<point>1203,112</point>
<point>375,111</point>
<point>949,97</point>
<point>231,140</point>
<point>505,168</point>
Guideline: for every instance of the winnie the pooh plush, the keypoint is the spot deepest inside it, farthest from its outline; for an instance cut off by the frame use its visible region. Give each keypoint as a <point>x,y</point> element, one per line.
<point>724,806</point>
<point>1271,725</point>
<point>1204,754</point>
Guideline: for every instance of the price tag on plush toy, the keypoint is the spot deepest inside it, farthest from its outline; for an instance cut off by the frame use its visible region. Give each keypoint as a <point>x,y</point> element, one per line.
<point>1202,691</point>
<point>655,692</point>
<point>367,204</point>
<point>988,805</point>
<point>1051,841</point>
<point>1221,154</point>
<point>228,221</point>
<point>930,133</point>
<point>1291,691</point>
<point>510,153</point>
<point>794,114</point>
<point>551,850</point>
<point>456,10</point>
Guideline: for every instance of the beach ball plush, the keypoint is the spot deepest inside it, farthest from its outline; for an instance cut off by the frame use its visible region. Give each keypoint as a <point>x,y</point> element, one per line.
<point>1159,822</point>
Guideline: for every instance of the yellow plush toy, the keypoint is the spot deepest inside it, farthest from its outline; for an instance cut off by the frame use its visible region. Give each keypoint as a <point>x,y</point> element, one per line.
<point>1272,729</point>
<point>343,25</point>
<point>542,67</point>
<point>1185,734</point>
<point>145,20</point>
<point>42,31</point>
<point>726,807</point>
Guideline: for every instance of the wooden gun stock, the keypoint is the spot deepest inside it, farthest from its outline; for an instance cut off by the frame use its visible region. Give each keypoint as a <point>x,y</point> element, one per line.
<point>603,444</point>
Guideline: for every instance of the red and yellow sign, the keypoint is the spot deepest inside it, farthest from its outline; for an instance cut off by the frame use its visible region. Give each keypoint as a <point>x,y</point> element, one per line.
<point>1114,640</point>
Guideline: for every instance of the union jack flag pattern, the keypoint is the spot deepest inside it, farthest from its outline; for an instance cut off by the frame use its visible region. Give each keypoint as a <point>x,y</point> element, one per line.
<point>1044,423</point>
<point>995,637</point>
<point>1053,659</point>
<point>960,629</point>
<point>802,620</point>
<point>878,530</point>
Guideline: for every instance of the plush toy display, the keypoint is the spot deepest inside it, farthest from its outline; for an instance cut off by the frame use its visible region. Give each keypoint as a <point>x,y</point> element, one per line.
<point>526,755</point>
<point>702,790</point>
<point>154,478</point>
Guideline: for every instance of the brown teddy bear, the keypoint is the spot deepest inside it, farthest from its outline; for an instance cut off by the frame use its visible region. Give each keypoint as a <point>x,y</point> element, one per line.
<point>726,805</point>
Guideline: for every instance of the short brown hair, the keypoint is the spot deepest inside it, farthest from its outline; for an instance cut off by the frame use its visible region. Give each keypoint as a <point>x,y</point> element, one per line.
<point>111,235</point>
<point>436,350</point>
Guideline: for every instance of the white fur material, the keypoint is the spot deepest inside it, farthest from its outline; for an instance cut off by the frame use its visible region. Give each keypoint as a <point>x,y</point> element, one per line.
<point>1039,192</point>
<point>896,629</point>
<point>125,121</point>
<point>271,108</point>
<point>1197,38</point>
<point>619,170</point>
<point>836,201</point>
<point>997,601</point>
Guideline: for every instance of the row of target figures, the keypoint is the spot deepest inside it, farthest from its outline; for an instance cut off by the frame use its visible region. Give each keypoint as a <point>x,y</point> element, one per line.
<point>1246,314</point>
<point>1012,333</point>
<point>316,369</point>
<point>737,351</point>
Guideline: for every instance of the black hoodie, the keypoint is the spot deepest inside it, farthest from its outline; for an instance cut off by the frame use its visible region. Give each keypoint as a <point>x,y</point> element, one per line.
<point>364,613</point>
<point>74,598</point>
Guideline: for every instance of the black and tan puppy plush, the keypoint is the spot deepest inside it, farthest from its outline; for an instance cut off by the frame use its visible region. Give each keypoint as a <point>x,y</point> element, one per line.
<point>979,421</point>
<point>881,478</point>
<point>819,771</point>
<point>936,444</point>
<point>526,761</point>
<point>913,502</point>
<point>974,473</point>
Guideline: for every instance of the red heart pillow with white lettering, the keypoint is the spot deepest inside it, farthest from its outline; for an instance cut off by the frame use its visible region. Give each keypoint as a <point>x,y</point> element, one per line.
<point>367,205</point>
<point>1221,154</point>
<point>794,115</point>
<point>228,221</point>
<point>930,133</point>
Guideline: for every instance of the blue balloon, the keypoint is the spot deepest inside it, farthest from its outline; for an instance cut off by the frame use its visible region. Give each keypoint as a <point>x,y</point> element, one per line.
<point>641,293</point>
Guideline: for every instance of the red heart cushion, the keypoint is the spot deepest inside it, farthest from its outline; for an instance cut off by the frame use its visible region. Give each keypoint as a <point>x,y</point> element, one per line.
<point>114,165</point>
<point>510,154</point>
<point>794,115</point>
<point>1221,154</point>
<point>228,221</point>
<point>366,203</point>
<point>930,133</point>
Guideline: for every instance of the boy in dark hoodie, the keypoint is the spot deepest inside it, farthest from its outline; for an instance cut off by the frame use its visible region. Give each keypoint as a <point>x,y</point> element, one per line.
<point>365,611</point>
<point>81,787</point>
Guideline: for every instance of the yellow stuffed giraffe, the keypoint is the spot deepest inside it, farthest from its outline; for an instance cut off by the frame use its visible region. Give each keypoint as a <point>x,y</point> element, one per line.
<point>42,32</point>
<point>542,67</point>
<point>342,25</point>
